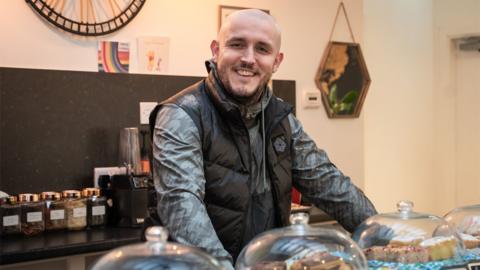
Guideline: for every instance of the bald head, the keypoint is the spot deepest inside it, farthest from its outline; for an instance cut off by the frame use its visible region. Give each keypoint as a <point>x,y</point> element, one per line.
<point>251,15</point>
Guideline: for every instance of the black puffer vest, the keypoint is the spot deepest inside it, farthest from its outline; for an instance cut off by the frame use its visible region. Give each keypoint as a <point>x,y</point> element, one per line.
<point>226,155</point>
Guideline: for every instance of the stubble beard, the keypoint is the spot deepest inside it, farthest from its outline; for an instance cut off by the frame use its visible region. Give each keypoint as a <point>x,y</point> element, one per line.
<point>244,99</point>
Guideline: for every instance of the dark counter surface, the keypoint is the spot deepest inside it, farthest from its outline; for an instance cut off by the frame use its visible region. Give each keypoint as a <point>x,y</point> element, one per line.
<point>18,248</point>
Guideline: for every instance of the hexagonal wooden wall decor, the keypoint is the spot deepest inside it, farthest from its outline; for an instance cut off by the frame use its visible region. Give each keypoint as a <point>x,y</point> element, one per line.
<point>343,79</point>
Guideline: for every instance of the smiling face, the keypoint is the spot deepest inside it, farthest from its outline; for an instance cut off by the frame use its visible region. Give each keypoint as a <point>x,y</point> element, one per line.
<point>247,53</point>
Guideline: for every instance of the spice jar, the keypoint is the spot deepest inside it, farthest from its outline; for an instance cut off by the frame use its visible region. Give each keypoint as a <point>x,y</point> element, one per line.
<point>55,218</point>
<point>76,209</point>
<point>10,213</point>
<point>96,207</point>
<point>33,213</point>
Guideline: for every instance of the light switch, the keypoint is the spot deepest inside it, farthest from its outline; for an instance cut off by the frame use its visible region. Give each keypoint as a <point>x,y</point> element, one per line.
<point>312,99</point>
<point>145,110</point>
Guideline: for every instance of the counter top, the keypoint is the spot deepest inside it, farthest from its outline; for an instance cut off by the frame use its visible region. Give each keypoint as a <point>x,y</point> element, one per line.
<point>19,248</point>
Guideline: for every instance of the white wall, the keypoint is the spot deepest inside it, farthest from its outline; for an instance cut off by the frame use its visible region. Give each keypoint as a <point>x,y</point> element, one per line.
<point>399,110</point>
<point>28,42</point>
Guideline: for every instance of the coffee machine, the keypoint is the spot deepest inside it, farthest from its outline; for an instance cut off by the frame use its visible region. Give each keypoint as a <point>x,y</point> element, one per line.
<point>129,191</point>
<point>130,199</point>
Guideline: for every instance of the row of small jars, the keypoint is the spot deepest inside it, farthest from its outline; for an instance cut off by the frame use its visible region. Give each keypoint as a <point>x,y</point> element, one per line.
<point>31,214</point>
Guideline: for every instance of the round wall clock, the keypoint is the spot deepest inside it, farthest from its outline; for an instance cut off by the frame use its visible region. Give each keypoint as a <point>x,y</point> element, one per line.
<point>88,17</point>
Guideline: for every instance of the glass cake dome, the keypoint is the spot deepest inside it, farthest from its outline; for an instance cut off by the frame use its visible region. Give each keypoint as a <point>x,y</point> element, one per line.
<point>403,238</point>
<point>300,246</point>
<point>156,253</point>
<point>466,220</point>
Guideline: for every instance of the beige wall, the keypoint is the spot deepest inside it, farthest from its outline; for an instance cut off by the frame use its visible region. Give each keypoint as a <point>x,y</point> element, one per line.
<point>404,142</point>
<point>411,124</point>
<point>399,112</point>
<point>191,25</point>
<point>457,156</point>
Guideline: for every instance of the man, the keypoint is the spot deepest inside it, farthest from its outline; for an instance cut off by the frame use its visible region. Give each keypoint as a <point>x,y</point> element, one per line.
<point>227,152</point>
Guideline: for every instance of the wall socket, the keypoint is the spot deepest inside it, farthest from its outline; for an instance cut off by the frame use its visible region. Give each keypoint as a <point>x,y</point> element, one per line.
<point>145,110</point>
<point>107,171</point>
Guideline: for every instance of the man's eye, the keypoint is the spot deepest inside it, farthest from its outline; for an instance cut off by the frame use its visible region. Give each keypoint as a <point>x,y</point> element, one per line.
<point>235,45</point>
<point>263,49</point>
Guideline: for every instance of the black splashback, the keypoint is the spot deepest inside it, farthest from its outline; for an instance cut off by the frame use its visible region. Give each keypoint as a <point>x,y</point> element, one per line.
<point>56,126</point>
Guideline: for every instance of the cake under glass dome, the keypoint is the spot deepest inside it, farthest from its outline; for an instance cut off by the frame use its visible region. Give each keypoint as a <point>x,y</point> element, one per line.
<point>300,246</point>
<point>156,253</point>
<point>409,240</point>
<point>466,220</point>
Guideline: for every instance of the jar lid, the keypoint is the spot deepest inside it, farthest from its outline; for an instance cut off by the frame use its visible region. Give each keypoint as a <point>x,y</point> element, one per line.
<point>50,195</point>
<point>28,197</point>
<point>71,193</point>
<point>3,200</point>
<point>89,192</point>
<point>12,199</point>
<point>8,200</point>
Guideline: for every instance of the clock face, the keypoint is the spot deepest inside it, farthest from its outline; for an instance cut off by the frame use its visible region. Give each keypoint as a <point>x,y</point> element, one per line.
<point>88,17</point>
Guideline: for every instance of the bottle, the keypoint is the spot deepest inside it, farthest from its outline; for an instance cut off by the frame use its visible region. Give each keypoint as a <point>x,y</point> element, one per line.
<point>10,213</point>
<point>76,209</point>
<point>96,207</point>
<point>55,218</point>
<point>33,214</point>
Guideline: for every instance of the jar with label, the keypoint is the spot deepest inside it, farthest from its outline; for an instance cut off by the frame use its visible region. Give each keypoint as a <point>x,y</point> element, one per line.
<point>55,218</point>
<point>76,209</point>
<point>10,213</point>
<point>96,207</point>
<point>33,214</point>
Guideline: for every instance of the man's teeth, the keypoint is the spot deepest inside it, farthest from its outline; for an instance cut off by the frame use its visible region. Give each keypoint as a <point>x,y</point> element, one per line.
<point>245,72</point>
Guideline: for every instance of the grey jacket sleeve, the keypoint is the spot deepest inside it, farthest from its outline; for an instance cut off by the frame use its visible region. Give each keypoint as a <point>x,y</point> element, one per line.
<point>316,178</point>
<point>180,182</point>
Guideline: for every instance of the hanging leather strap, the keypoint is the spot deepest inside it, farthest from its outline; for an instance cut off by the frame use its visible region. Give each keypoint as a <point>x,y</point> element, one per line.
<point>342,7</point>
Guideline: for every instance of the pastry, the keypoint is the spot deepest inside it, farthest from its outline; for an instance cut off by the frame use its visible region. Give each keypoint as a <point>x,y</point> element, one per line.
<point>405,240</point>
<point>470,241</point>
<point>403,254</point>
<point>320,261</point>
<point>440,247</point>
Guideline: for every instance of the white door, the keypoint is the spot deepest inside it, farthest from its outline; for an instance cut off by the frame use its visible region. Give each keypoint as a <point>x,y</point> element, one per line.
<point>467,119</point>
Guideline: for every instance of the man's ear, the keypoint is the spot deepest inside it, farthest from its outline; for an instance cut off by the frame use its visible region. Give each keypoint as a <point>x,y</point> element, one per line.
<point>278,61</point>
<point>214,47</point>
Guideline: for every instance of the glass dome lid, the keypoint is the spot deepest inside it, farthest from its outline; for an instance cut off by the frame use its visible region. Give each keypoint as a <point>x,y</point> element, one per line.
<point>300,246</point>
<point>466,220</point>
<point>408,237</point>
<point>156,253</point>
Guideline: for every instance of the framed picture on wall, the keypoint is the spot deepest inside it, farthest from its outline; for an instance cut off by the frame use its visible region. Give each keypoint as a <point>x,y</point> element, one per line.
<point>343,79</point>
<point>224,11</point>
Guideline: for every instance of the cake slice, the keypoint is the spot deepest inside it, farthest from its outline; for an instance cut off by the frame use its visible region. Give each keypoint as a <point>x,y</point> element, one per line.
<point>470,241</point>
<point>404,254</point>
<point>320,261</point>
<point>405,240</point>
<point>440,247</point>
